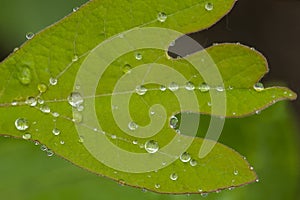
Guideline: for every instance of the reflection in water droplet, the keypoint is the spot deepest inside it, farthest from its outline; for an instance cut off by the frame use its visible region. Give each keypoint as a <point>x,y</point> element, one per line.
<point>56,131</point>
<point>151,146</point>
<point>185,157</point>
<point>162,17</point>
<point>42,87</point>
<point>209,6</point>
<point>173,176</point>
<point>21,124</point>
<point>258,87</point>
<point>132,126</point>
<point>174,122</point>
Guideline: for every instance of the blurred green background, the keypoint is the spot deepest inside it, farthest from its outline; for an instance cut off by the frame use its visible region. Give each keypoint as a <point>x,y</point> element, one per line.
<point>270,141</point>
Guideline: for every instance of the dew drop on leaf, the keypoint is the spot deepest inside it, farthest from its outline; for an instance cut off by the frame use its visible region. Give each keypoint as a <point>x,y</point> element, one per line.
<point>209,6</point>
<point>75,99</point>
<point>220,89</point>
<point>138,56</point>
<point>162,17</point>
<point>53,81</point>
<point>132,126</point>
<point>258,87</point>
<point>162,88</point>
<point>174,122</point>
<point>24,75</point>
<point>140,90</point>
<point>185,157</point>
<point>204,87</point>
<point>126,68</point>
<point>173,176</point>
<point>189,86</point>
<point>173,86</point>
<point>42,87</point>
<point>45,109</point>
<point>56,131</point>
<point>193,162</point>
<point>26,136</point>
<point>151,146</point>
<point>21,124</point>
<point>29,35</point>
<point>31,101</point>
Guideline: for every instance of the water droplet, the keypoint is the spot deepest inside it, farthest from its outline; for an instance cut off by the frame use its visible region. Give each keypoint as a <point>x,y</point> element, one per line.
<point>113,137</point>
<point>251,168</point>
<point>77,117</point>
<point>75,99</point>
<point>56,131</point>
<point>16,49</point>
<point>45,109</point>
<point>40,101</point>
<point>230,88</point>
<point>14,103</point>
<point>50,153</point>
<point>81,139</point>
<point>132,126</point>
<point>135,142</point>
<point>140,90</point>
<point>24,75</point>
<point>193,162</point>
<point>62,142</point>
<point>80,108</point>
<point>43,148</point>
<point>75,9</point>
<point>55,114</point>
<point>42,87</point>
<point>157,186</point>
<point>236,172</point>
<point>75,58</point>
<point>204,194</point>
<point>29,35</point>
<point>258,87</point>
<point>204,87</point>
<point>174,122</point>
<point>173,86</point>
<point>173,176</point>
<point>26,136</point>
<point>220,89</point>
<point>126,69</point>
<point>151,146</point>
<point>31,101</point>
<point>162,17</point>
<point>138,56</point>
<point>178,131</point>
<point>231,188</point>
<point>185,157</point>
<point>257,112</point>
<point>257,180</point>
<point>21,124</point>
<point>53,81</point>
<point>162,88</point>
<point>209,6</point>
<point>189,86</point>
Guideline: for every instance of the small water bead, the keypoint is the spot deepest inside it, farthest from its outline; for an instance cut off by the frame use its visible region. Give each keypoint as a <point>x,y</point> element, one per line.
<point>21,124</point>
<point>135,142</point>
<point>126,69</point>
<point>204,87</point>
<point>178,131</point>
<point>173,176</point>
<point>257,180</point>
<point>56,131</point>
<point>42,87</point>
<point>157,186</point>
<point>43,148</point>
<point>185,157</point>
<point>14,103</point>
<point>204,194</point>
<point>138,56</point>
<point>151,146</point>
<point>24,75</point>
<point>189,86</point>
<point>55,114</point>
<point>162,88</point>
<point>140,90</point>
<point>231,188</point>
<point>45,109</point>
<point>75,99</point>
<point>251,168</point>
<point>113,137</point>
<point>53,81</point>
<point>132,126</point>
<point>16,49</point>
<point>220,89</point>
<point>193,162</point>
<point>81,139</point>
<point>75,9</point>
<point>62,142</point>
<point>31,101</point>
<point>80,108</point>
<point>258,87</point>
<point>236,172</point>
<point>26,136</point>
<point>173,86</point>
<point>29,35</point>
<point>50,153</point>
<point>174,122</point>
<point>162,17</point>
<point>40,101</point>
<point>209,6</point>
<point>75,58</point>
<point>77,117</point>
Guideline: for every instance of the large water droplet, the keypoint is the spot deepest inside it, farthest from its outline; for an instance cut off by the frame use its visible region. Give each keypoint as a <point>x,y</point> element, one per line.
<point>140,90</point>
<point>132,126</point>
<point>173,86</point>
<point>174,122</point>
<point>75,99</point>
<point>151,146</point>
<point>45,109</point>
<point>56,131</point>
<point>31,101</point>
<point>29,35</point>
<point>24,75</point>
<point>204,87</point>
<point>21,124</point>
<point>258,87</point>
<point>173,176</point>
<point>209,6</point>
<point>189,86</point>
<point>53,81</point>
<point>185,157</point>
<point>162,17</point>
<point>42,87</point>
<point>26,136</point>
<point>126,69</point>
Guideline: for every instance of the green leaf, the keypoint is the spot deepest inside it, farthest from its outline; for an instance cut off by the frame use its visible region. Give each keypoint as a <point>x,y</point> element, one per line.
<point>69,52</point>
